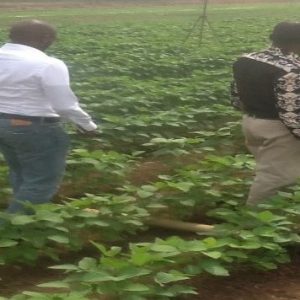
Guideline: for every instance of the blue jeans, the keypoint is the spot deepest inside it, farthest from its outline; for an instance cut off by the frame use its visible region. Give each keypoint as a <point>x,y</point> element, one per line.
<point>36,155</point>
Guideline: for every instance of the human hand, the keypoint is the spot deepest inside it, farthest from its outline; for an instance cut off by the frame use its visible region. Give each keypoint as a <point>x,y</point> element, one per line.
<point>90,133</point>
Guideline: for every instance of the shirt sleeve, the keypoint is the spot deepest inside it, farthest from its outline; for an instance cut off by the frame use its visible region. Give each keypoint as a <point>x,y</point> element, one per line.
<point>287,91</point>
<point>56,86</point>
<point>235,98</point>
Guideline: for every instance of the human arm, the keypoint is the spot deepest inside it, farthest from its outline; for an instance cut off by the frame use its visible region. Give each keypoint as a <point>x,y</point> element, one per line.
<point>235,98</point>
<point>56,87</point>
<point>287,92</point>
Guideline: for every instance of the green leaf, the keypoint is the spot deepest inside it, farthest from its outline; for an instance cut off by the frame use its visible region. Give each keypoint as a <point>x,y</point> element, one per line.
<point>54,284</point>
<point>50,217</point>
<point>134,297</point>
<point>59,239</point>
<point>32,294</point>
<point>214,268</point>
<point>100,247</point>
<point>189,202</point>
<point>113,251</point>
<point>182,186</point>
<point>156,205</point>
<point>163,248</point>
<point>237,253</point>
<point>250,245</point>
<point>98,223</point>
<point>213,254</point>
<point>178,289</point>
<point>136,287</point>
<point>173,276</point>
<point>144,194</point>
<point>98,276</point>
<point>87,263</point>
<point>7,243</point>
<point>67,267</point>
<point>267,265</point>
<point>196,246</point>
<point>22,220</point>
<point>264,231</point>
<point>210,242</point>
<point>268,217</point>
<point>140,256</point>
<point>245,234</point>
<point>149,188</point>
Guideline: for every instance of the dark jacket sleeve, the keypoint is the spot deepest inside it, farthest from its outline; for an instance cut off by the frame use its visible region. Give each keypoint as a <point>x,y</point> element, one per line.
<point>287,91</point>
<point>235,98</point>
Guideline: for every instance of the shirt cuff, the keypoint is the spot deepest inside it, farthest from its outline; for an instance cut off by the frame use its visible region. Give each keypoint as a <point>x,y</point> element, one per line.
<point>89,127</point>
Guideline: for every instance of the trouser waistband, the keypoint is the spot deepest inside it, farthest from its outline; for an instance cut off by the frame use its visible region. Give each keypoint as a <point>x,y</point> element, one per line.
<point>34,119</point>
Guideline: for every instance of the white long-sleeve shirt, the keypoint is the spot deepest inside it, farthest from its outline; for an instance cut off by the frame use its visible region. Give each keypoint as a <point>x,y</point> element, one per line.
<point>35,84</point>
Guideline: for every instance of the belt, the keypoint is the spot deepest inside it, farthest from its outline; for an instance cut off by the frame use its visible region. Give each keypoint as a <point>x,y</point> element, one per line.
<point>255,116</point>
<point>34,119</point>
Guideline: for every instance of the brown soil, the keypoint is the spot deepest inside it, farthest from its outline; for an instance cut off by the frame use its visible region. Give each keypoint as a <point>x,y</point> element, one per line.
<point>281,284</point>
<point>17,279</point>
<point>147,172</point>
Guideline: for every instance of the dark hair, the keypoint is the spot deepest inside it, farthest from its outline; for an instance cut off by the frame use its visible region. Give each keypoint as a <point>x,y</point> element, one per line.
<point>32,30</point>
<point>286,33</point>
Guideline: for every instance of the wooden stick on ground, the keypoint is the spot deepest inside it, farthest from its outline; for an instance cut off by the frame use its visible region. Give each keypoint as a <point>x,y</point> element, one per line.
<point>171,224</point>
<point>179,225</point>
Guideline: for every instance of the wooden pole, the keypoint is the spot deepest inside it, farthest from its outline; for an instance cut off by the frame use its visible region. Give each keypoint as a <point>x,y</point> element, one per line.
<point>179,225</point>
<point>170,224</point>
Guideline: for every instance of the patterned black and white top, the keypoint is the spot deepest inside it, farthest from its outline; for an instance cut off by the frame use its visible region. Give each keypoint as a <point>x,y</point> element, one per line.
<point>267,85</point>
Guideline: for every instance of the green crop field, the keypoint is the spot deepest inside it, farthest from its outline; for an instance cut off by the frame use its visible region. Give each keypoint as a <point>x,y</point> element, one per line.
<point>171,145</point>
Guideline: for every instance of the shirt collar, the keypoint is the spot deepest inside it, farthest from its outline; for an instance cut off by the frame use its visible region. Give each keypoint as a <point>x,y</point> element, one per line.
<point>274,56</point>
<point>277,51</point>
<point>23,48</point>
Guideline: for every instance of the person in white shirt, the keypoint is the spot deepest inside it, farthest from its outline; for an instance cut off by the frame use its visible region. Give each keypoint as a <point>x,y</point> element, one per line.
<point>35,95</point>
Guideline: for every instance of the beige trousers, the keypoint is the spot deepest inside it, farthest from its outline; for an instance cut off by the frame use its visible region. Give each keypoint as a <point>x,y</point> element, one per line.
<point>277,155</point>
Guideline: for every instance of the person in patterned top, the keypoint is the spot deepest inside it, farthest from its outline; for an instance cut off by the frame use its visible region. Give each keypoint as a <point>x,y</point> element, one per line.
<point>266,89</point>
